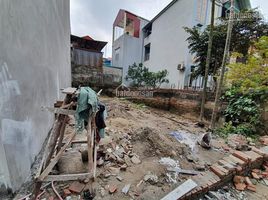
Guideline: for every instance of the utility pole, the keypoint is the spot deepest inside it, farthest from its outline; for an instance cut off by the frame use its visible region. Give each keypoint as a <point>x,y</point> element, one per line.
<point>223,65</point>
<point>208,60</point>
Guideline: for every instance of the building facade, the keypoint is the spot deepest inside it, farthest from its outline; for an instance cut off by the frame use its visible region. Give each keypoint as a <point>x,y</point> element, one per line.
<point>34,66</point>
<point>128,39</point>
<point>164,44</point>
<point>87,60</point>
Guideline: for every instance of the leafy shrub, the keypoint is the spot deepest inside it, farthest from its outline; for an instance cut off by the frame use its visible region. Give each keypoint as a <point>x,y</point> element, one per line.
<point>248,90</point>
<point>141,76</point>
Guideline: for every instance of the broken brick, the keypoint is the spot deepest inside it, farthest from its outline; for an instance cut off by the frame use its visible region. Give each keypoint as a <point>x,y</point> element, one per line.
<point>237,160</point>
<point>265,168</point>
<point>239,169</point>
<point>242,156</point>
<point>264,174</point>
<point>217,171</point>
<point>255,175</point>
<point>254,156</point>
<point>66,192</point>
<point>248,181</point>
<point>251,188</point>
<point>76,187</point>
<point>258,151</point>
<point>266,163</point>
<point>239,179</point>
<point>112,189</point>
<point>226,165</point>
<point>257,171</point>
<point>240,186</point>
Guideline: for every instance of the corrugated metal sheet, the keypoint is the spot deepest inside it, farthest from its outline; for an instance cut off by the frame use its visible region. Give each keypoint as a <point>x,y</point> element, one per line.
<point>82,57</point>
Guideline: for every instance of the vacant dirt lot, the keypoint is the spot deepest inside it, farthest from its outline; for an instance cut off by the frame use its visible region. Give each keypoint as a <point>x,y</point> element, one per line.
<point>137,138</point>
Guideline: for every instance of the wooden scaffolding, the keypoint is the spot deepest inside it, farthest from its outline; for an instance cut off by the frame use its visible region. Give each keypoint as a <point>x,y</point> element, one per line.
<point>55,146</point>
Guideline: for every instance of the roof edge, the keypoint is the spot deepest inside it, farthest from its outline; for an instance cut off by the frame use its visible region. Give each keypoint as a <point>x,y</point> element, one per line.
<point>160,13</point>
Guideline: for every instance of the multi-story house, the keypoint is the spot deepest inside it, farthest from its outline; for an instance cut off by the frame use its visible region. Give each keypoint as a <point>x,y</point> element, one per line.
<point>162,41</point>
<point>128,39</point>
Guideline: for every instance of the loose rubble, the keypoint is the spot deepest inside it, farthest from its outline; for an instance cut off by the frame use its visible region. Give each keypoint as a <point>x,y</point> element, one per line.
<point>139,160</point>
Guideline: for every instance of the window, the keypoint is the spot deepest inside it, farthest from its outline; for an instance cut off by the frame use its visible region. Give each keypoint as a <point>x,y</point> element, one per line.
<point>147,50</point>
<point>117,51</point>
<point>148,30</point>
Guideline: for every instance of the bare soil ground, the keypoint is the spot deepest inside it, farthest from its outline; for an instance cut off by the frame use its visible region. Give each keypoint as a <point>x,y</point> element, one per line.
<point>143,132</point>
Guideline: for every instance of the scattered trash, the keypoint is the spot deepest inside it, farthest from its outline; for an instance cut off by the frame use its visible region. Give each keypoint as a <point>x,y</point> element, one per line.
<point>135,160</point>
<point>119,178</point>
<point>172,177</point>
<point>169,162</point>
<point>126,188</point>
<point>151,178</point>
<point>206,141</point>
<point>185,138</point>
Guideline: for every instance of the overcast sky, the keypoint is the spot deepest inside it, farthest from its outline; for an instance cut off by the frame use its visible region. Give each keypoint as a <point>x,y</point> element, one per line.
<point>95,17</point>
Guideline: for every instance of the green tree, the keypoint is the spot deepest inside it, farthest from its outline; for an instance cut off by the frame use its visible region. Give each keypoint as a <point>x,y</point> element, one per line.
<point>244,34</point>
<point>252,75</point>
<point>248,90</point>
<point>136,74</point>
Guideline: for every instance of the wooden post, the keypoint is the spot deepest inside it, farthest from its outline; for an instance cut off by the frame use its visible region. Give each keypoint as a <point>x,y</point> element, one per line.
<point>92,151</point>
<point>223,66</point>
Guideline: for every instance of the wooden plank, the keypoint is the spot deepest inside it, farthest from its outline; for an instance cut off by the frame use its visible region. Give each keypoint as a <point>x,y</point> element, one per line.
<point>95,154</point>
<point>44,156</point>
<point>69,90</point>
<point>55,134</point>
<point>61,111</point>
<point>51,146</point>
<point>55,160</point>
<point>67,177</point>
<point>183,189</point>
<point>90,145</point>
<point>62,131</point>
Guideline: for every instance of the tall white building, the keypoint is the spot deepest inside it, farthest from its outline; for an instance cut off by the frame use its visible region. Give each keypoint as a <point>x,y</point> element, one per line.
<point>128,39</point>
<point>162,42</point>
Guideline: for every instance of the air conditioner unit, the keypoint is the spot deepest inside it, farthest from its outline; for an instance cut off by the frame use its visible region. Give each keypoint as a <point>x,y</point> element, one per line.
<point>181,67</point>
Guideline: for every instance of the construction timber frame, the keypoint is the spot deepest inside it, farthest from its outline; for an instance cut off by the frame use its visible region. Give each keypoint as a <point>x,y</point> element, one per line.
<point>55,147</point>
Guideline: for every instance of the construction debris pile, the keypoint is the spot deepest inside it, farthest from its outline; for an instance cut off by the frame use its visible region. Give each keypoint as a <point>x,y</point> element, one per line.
<point>150,154</point>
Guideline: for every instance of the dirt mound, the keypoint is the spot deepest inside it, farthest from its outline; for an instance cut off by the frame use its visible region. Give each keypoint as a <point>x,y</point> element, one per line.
<point>158,143</point>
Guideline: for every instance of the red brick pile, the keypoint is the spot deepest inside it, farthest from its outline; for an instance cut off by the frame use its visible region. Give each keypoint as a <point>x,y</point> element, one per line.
<point>230,168</point>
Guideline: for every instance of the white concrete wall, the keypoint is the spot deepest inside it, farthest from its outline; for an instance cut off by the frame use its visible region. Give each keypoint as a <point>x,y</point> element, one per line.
<point>168,45</point>
<point>34,65</point>
<point>168,39</point>
<point>131,51</point>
